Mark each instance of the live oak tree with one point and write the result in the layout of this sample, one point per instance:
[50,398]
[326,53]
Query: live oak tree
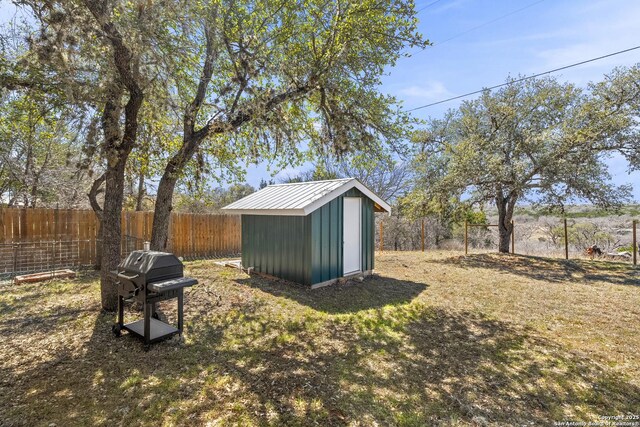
[275,74]
[616,99]
[100,57]
[157,134]
[119,138]
[537,140]
[247,80]
[38,149]
[429,195]
[33,147]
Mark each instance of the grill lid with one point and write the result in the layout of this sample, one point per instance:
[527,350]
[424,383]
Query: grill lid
[143,262]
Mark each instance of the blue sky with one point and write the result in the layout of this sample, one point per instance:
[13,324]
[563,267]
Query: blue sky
[546,34]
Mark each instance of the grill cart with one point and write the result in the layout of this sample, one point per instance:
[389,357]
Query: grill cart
[150,277]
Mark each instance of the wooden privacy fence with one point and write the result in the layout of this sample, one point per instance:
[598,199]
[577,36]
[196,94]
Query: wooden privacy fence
[190,235]
[40,239]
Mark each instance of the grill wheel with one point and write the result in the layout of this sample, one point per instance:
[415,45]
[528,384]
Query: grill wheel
[117,330]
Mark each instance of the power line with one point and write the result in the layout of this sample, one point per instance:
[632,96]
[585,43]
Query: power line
[506,15]
[427,6]
[527,78]
[489,22]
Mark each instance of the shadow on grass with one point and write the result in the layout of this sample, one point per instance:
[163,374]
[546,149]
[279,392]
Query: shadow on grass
[373,292]
[32,294]
[547,269]
[405,365]
[252,363]
[99,381]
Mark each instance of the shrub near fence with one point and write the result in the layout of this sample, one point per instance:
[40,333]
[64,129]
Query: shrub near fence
[42,239]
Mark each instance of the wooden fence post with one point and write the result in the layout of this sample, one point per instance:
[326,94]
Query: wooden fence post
[466,236]
[422,234]
[566,240]
[3,232]
[513,238]
[56,238]
[635,242]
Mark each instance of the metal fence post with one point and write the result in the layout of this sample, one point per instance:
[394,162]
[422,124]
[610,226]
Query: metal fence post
[635,242]
[466,238]
[513,237]
[15,257]
[566,240]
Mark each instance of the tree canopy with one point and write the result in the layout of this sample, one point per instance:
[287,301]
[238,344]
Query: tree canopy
[252,80]
[536,140]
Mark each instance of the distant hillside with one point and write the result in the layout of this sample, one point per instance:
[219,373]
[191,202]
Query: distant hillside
[579,211]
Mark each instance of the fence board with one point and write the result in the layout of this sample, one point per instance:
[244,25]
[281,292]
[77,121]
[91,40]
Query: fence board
[66,237]
[2,226]
[15,224]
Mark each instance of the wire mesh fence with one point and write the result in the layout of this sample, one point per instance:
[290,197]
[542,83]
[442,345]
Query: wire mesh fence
[33,257]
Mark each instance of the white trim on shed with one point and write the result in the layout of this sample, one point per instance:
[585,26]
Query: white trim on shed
[300,198]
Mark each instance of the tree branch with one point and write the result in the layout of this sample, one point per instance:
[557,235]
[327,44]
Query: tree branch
[93,194]
[216,127]
[127,71]
[193,108]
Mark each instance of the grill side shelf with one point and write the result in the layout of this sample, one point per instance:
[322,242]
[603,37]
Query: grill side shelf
[171,284]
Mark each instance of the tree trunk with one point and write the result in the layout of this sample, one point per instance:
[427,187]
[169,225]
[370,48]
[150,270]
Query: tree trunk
[505,207]
[162,213]
[505,236]
[111,232]
[166,186]
[190,143]
[100,238]
[97,209]
[141,192]
[118,142]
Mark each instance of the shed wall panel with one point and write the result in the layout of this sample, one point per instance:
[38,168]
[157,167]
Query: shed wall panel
[326,242]
[277,245]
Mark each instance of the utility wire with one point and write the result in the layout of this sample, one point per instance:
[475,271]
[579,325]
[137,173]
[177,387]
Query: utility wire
[499,18]
[506,15]
[527,78]
[427,6]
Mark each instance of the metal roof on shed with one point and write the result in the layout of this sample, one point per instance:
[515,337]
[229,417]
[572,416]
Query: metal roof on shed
[300,198]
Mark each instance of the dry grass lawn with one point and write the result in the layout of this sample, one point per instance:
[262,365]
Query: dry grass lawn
[431,339]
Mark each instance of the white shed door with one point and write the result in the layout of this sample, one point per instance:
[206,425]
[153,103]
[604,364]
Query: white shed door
[351,249]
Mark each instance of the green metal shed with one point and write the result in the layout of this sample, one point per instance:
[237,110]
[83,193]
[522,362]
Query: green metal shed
[311,233]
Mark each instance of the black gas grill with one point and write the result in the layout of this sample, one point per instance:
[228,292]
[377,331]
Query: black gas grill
[150,277]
